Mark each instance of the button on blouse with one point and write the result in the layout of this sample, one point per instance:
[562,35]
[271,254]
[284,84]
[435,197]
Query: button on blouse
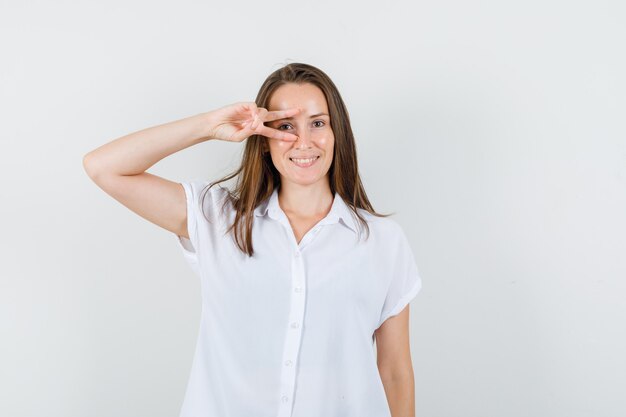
[289,331]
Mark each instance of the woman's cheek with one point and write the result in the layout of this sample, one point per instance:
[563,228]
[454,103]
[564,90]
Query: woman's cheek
[323,138]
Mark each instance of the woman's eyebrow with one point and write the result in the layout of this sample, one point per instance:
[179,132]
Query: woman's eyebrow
[315,115]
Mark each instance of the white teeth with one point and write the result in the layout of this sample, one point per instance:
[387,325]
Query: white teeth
[303,161]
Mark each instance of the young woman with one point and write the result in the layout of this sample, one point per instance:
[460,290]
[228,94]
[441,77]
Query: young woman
[294,294]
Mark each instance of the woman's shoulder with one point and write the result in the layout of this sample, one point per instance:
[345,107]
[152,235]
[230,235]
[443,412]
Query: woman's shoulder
[201,184]
[383,227]
[212,198]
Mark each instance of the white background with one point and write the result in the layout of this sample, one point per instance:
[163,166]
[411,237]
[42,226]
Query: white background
[494,129]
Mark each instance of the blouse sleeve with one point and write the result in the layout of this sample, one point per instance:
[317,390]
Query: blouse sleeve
[190,246]
[405,281]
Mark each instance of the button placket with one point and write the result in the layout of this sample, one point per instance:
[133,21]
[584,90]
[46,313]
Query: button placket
[293,335]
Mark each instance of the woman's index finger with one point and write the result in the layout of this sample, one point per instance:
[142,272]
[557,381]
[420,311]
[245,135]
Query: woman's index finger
[281,114]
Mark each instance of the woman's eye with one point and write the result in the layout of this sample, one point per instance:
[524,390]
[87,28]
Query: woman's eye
[280,127]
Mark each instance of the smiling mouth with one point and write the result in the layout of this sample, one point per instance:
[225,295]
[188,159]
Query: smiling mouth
[304,163]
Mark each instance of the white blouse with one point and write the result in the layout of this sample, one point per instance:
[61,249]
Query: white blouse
[290,331]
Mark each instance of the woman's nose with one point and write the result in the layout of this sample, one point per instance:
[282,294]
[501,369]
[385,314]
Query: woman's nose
[304,136]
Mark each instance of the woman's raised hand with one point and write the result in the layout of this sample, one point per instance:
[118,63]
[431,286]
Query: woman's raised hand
[236,122]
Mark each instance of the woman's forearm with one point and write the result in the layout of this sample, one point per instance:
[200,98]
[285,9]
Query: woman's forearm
[400,394]
[134,153]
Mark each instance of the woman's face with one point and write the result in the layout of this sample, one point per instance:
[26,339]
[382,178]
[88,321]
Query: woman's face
[312,126]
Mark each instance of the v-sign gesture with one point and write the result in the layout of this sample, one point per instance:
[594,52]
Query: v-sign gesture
[236,122]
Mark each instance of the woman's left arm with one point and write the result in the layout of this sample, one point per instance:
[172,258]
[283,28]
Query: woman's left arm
[394,364]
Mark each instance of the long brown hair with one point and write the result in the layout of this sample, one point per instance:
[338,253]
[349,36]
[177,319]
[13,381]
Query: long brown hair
[257,176]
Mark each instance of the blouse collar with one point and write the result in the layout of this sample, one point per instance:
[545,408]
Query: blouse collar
[338,210]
